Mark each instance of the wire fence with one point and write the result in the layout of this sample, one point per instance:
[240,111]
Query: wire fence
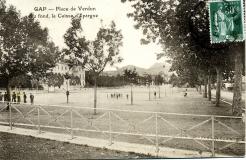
[213,133]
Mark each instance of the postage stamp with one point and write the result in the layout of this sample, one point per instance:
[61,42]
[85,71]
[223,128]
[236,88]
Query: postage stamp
[226,20]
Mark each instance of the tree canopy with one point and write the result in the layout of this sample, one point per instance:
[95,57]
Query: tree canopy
[24,45]
[182,27]
[93,55]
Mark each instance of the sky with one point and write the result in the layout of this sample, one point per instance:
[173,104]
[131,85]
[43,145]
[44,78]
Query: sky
[132,51]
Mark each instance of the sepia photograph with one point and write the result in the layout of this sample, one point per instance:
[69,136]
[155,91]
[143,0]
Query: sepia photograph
[122,79]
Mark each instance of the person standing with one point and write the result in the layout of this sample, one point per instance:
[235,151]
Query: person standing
[5,97]
[32,98]
[13,97]
[155,94]
[24,97]
[1,97]
[67,94]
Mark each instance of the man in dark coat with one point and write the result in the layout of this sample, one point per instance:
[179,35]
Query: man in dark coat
[24,97]
[32,98]
[13,97]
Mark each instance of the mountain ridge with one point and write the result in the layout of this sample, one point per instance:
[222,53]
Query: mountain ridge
[155,69]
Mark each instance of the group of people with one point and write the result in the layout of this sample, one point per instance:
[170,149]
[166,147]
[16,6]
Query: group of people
[117,95]
[16,97]
[120,95]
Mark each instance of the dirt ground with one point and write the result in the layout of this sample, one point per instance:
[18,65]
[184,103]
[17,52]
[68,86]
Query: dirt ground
[16,147]
[171,101]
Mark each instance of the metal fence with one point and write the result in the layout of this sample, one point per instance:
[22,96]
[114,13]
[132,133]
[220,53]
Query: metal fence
[197,132]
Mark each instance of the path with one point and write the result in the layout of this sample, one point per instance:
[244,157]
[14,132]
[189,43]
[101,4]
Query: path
[227,95]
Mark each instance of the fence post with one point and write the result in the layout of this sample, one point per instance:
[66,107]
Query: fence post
[156,134]
[10,115]
[110,128]
[39,130]
[213,149]
[71,119]
[165,91]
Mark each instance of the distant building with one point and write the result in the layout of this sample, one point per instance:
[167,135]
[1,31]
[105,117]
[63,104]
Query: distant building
[63,68]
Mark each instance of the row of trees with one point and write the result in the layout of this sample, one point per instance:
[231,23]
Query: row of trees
[27,55]
[51,79]
[128,77]
[57,79]
[25,49]
[105,80]
[131,76]
[182,27]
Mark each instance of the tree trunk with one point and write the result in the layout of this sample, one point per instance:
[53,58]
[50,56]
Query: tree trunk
[95,95]
[200,89]
[32,84]
[37,86]
[218,86]
[209,88]
[8,89]
[237,88]
[205,88]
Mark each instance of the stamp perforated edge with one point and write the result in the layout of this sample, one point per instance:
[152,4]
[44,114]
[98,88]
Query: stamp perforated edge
[242,15]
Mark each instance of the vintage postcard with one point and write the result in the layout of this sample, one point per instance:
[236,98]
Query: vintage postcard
[122,79]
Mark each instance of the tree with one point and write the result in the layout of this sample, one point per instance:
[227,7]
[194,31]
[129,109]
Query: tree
[93,55]
[174,80]
[75,80]
[159,80]
[189,29]
[237,104]
[148,79]
[24,46]
[55,79]
[131,76]
[21,81]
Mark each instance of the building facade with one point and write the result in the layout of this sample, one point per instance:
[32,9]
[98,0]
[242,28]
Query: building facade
[63,69]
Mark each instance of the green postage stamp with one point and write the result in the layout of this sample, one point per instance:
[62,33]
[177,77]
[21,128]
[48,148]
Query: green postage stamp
[226,20]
